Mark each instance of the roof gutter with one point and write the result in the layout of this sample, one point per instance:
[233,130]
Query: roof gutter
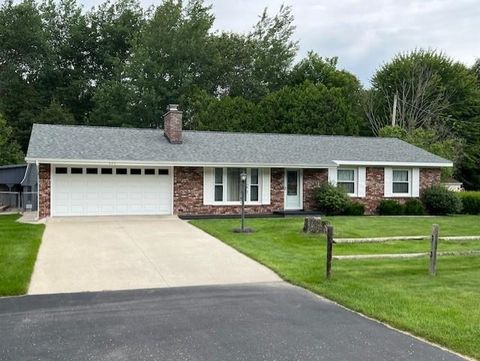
[397,164]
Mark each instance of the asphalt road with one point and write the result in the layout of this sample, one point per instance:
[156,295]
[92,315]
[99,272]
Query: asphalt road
[241,322]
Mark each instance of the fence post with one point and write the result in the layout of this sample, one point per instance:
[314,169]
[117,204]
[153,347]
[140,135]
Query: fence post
[433,250]
[329,250]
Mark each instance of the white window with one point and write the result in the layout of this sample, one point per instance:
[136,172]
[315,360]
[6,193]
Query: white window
[346,179]
[401,181]
[228,184]
[218,184]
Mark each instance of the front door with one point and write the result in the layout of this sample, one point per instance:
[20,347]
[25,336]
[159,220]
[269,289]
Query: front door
[293,189]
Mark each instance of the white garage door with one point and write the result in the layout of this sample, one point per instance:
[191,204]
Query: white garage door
[91,191]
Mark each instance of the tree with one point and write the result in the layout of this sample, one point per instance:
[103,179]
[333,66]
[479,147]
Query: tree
[56,113]
[476,69]
[10,152]
[450,148]
[434,93]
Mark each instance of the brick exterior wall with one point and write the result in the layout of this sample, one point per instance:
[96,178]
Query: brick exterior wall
[44,176]
[312,178]
[375,186]
[188,195]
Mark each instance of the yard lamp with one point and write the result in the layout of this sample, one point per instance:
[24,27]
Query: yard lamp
[242,229]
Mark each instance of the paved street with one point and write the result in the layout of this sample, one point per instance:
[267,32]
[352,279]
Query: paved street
[266,321]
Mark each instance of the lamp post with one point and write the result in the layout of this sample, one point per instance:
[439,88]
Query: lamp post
[243,181]
[243,178]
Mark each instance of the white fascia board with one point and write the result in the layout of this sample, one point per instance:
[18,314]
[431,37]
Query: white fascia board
[112,163]
[394,164]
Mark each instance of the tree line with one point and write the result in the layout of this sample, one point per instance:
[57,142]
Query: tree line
[119,64]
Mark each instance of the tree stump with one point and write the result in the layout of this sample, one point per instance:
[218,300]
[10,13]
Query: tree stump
[314,225]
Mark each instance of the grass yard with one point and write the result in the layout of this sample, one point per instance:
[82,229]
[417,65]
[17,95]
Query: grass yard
[19,245]
[443,309]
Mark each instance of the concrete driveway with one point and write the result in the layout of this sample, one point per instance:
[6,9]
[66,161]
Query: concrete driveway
[118,253]
[212,323]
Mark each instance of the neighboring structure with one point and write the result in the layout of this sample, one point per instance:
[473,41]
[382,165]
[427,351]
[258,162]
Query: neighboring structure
[18,186]
[124,171]
[453,185]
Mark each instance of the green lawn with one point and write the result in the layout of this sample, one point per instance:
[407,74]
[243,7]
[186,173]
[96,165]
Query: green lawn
[443,309]
[18,250]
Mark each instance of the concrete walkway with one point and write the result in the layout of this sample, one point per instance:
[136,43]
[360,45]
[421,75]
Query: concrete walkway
[118,253]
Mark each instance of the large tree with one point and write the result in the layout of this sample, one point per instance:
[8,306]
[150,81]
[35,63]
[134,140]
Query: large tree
[10,152]
[435,93]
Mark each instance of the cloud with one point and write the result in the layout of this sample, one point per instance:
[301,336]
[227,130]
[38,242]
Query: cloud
[364,34]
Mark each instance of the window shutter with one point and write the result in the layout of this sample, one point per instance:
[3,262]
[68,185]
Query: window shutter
[362,181]
[266,179]
[332,175]
[388,178]
[415,182]
[208,186]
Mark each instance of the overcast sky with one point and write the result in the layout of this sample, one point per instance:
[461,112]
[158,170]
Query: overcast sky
[364,33]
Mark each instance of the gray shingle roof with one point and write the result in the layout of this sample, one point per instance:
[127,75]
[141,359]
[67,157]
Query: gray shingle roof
[58,142]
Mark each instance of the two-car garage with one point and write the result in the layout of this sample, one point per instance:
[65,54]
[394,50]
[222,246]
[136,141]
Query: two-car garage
[103,190]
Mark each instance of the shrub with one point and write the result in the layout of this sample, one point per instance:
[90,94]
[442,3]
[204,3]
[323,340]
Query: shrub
[470,202]
[439,200]
[390,207]
[330,199]
[413,207]
[354,209]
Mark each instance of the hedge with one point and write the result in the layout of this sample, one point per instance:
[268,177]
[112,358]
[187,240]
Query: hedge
[471,202]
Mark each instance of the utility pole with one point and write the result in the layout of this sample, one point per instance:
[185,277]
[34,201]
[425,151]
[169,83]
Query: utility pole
[394,110]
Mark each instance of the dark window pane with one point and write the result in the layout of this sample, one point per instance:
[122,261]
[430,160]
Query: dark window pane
[76,171]
[292,183]
[92,170]
[233,184]
[254,176]
[149,171]
[218,193]
[400,187]
[107,171]
[121,171]
[61,170]
[254,193]
[218,175]
[348,186]
[163,171]
[135,171]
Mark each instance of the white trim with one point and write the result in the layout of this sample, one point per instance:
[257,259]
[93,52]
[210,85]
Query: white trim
[415,182]
[355,180]
[208,186]
[224,202]
[266,185]
[113,163]
[172,194]
[300,188]
[396,164]
[332,175]
[118,162]
[402,195]
[387,182]
[362,182]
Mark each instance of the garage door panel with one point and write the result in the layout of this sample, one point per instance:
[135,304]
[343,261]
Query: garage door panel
[97,194]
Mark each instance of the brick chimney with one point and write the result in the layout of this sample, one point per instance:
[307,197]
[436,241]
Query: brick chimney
[172,124]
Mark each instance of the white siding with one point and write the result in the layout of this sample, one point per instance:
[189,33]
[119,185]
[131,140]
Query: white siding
[265,188]
[415,182]
[332,175]
[388,177]
[208,186]
[362,181]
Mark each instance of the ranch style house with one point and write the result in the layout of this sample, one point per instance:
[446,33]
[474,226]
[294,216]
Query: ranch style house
[89,171]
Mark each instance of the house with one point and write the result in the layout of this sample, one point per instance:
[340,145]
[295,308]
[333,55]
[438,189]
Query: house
[18,186]
[453,185]
[123,171]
